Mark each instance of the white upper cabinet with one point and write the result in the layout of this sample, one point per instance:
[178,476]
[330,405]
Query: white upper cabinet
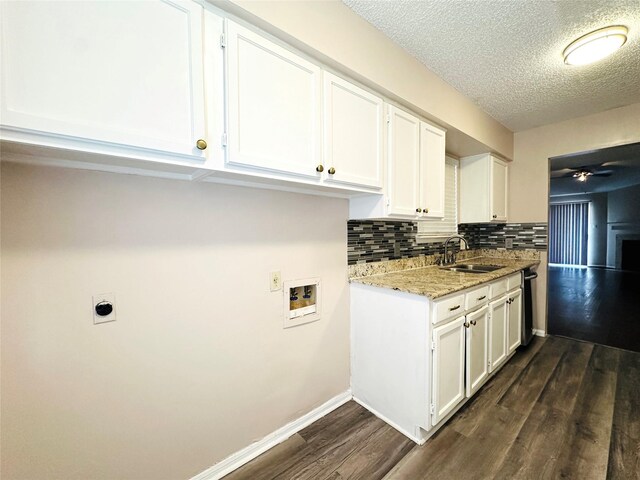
[432,164]
[403,174]
[483,189]
[273,106]
[353,134]
[415,181]
[498,189]
[104,73]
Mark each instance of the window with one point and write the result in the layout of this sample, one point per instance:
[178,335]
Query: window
[436,229]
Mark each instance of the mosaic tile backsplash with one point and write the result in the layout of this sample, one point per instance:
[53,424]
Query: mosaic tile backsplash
[374,241]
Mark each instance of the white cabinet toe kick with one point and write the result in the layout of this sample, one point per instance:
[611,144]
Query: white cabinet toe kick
[416,361]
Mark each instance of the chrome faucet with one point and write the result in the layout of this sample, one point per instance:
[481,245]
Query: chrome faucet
[451,258]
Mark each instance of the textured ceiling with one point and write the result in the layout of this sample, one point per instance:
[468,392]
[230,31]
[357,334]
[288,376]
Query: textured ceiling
[506,55]
[622,162]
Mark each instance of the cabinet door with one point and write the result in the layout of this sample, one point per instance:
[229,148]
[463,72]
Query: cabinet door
[273,101]
[515,320]
[497,333]
[432,161]
[448,368]
[477,358]
[403,164]
[498,190]
[353,134]
[125,73]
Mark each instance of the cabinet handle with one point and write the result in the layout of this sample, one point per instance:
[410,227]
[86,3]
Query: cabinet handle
[509,301]
[418,210]
[320,168]
[466,324]
[201,144]
[454,308]
[426,210]
[474,322]
[495,216]
[482,297]
[332,171]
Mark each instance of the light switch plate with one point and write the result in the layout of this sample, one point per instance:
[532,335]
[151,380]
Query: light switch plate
[104,297]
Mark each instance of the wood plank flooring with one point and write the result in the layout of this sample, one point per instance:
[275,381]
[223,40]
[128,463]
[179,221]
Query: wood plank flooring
[596,305]
[559,409]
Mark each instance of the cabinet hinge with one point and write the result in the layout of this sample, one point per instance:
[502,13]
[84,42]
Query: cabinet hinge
[388,118]
[433,345]
[224,140]
[223,40]
[432,409]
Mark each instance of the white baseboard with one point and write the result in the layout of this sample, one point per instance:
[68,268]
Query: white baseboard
[406,433]
[247,454]
[539,333]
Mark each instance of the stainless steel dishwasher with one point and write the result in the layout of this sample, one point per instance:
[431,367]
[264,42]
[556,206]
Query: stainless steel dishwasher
[527,305]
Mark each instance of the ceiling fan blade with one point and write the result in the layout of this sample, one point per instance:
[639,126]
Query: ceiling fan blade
[563,172]
[602,174]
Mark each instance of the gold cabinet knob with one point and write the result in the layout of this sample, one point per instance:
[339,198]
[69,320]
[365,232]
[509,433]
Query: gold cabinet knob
[320,168]
[201,144]
[418,210]
[426,210]
[332,171]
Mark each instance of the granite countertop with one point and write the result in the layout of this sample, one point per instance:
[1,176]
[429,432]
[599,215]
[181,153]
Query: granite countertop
[433,282]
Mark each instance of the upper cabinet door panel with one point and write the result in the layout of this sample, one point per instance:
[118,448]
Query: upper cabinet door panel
[273,105]
[432,161]
[499,190]
[353,134]
[127,73]
[403,163]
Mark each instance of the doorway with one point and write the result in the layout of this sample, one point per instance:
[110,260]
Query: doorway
[594,246]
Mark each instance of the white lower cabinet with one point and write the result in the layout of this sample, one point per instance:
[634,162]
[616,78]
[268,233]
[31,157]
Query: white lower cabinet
[477,350]
[415,361]
[448,368]
[514,320]
[497,332]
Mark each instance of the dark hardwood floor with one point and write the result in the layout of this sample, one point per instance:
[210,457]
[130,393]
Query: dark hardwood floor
[559,409]
[597,305]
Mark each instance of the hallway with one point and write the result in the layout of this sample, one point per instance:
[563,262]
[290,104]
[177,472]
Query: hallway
[597,305]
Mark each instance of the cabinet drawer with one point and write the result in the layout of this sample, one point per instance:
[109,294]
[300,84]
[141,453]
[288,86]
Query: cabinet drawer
[498,288]
[476,297]
[514,281]
[448,308]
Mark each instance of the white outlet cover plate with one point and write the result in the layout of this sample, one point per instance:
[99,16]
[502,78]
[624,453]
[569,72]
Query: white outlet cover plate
[275,281]
[103,297]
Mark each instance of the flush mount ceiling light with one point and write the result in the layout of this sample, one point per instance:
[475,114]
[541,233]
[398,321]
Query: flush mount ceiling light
[595,46]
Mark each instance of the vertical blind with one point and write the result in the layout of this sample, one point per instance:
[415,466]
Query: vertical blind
[449,224]
[568,223]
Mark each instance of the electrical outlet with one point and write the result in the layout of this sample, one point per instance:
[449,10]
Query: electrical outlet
[508,243]
[396,250]
[275,281]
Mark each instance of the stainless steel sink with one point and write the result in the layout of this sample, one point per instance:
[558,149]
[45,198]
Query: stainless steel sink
[471,268]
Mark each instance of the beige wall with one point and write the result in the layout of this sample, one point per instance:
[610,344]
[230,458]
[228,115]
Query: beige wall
[197,365]
[529,176]
[349,43]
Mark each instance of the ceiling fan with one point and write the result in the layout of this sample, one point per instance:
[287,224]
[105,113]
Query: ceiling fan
[581,174]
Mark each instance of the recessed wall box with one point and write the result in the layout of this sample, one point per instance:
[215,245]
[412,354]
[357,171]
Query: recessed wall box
[302,301]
